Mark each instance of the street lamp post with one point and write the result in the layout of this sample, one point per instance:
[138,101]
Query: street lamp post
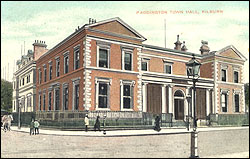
[189,104]
[193,67]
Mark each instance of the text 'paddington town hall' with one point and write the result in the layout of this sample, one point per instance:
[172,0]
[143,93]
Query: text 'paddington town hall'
[105,67]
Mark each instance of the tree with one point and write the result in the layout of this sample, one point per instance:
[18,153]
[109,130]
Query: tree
[246,87]
[6,95]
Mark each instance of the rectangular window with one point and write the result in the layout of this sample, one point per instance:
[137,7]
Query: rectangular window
[57,98]
[76,95]
[66,64]
[58,67]
[128,61]
[49,98]
[236,77]
[237,102]
[224,102]
[23,81]
[127,97]
[40,102]
[144,65]
[168,69]
[103,95]
[223,75]
[44,102]
[50,71]
[45,74]
[27,79]
[77,57]
[103,58]
[66,98]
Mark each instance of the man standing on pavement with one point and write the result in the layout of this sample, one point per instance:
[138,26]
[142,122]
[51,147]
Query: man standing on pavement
[86,121]
[36,125]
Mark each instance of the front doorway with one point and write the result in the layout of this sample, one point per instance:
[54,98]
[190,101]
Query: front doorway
[179,105]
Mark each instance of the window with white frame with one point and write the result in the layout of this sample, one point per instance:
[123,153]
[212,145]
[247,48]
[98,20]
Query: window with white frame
[168,67]
[236,77]
[103,54]
[237,102]
[66,62]
[44,99]
[224,101]
[76,93]
[77,57]
[102,93]
[45,74]
[49,100]
[65,97]
[145,64]
[224,72]
[57,67]
[127,94]
[50,70]
[57,98]
[40,102]
[40,76]
[128,60]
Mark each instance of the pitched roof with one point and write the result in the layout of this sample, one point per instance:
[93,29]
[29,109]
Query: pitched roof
[121,22]
[234,49]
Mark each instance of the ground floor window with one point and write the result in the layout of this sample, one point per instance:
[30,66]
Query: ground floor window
[65,98]
[49,100]
[237,103]
[76,95]
[57,99]
[102,92]
[224,102]
[44,102]
[127,94]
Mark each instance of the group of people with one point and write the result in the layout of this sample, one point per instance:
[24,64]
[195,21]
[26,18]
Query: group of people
[34,127]
[6,122]
[97,125]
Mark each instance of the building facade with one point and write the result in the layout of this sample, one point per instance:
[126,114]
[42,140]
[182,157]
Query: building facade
[104,66]
[24,85]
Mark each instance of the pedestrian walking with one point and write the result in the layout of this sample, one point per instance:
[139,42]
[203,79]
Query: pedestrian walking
[36,126]
[157,123]
[97,124]
[32,127]
[86,121]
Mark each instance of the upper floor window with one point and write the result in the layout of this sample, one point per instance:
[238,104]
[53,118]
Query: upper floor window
[236,77]
[145,64]
[45,74]
[103,58]
[76,57]
[40,76]
[57,67]
[168,67]
[224,75]
[50,71]
[66,62]
[103,54]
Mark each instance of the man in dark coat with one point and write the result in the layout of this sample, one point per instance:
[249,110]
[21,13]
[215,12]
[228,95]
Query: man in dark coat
[97,124]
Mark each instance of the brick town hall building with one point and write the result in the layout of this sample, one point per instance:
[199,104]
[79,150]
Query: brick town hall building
[105,67]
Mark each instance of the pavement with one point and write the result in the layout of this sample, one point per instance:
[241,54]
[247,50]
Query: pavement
[120,133]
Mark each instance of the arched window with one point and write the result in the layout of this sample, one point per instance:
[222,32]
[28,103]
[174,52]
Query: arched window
[178,93]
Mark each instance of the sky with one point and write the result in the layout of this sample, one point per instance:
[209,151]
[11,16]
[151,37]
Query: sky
[220,23]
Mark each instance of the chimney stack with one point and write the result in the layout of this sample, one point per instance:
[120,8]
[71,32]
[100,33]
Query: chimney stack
[204,49]
[184,48]
[177,44]
[39,49]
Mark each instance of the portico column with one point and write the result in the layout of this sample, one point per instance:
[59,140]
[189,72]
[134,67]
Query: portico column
[144,95]
[164,109]
[170,99]
[208,101]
